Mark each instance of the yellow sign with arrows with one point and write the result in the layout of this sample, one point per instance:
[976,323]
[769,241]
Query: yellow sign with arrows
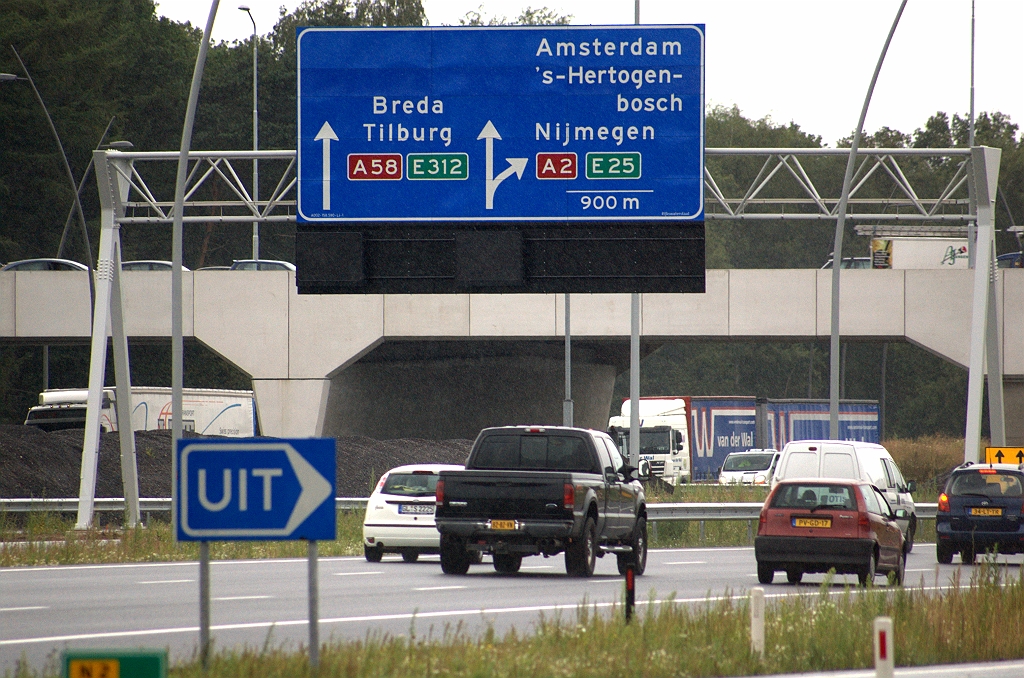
[1004,455]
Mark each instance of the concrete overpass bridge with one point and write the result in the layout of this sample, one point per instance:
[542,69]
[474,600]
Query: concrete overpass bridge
[446,365]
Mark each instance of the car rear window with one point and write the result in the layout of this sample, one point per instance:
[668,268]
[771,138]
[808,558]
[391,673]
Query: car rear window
[814,495]
[747,462]
[411,484]
[548,452]
[997,484]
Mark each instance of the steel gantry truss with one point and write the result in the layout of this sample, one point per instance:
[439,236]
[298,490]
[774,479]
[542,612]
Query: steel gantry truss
[786,170]
[792,184]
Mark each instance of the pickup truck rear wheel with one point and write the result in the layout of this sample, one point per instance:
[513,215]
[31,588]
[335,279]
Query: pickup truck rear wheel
[454,557]
[638,558]
[507,563]
[581,555]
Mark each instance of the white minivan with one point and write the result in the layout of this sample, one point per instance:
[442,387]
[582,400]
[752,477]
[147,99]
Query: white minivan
[869,462]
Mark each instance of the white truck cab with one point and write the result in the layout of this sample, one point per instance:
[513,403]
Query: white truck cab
[664,436]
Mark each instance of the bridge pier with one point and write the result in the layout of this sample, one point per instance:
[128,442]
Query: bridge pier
[291,408]
[1013,407]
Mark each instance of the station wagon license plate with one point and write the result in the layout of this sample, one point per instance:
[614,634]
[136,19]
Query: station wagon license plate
[996,512]
[812,522]
[420,509]
[501,524]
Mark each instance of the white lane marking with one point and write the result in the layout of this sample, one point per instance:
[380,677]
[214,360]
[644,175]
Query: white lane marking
[438,588]
[604,581]
[353,574]
[242,597]
[182,563]
[719,549]
[25,608]
[537,567]
[927,569]
[686,562]
[167,581]
[403,616]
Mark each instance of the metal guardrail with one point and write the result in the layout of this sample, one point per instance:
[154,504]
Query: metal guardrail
[655,512]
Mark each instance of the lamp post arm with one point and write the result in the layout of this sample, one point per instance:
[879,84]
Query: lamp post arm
[71,179]
[81,185]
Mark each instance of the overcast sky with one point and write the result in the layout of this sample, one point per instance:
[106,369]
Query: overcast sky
[807,61]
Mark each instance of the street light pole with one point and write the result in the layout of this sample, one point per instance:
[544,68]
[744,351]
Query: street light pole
[255,137]
[67,169]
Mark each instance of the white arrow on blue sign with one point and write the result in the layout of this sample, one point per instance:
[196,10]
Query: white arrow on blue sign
[255,489]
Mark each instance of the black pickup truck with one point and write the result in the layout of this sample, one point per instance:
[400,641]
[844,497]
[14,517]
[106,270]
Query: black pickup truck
[531,490]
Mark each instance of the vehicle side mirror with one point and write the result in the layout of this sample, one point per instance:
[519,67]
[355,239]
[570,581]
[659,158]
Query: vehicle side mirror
[643,471]
[901,514]
[609,473]
[912,486]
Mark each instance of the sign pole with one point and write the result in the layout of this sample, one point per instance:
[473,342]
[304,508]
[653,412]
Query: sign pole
[567,403]
[314,607]
[204,603]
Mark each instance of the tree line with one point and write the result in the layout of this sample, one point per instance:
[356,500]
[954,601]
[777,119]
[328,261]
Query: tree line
[97,61]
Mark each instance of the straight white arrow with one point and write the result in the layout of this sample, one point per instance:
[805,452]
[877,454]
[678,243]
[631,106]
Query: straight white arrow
[517,165]
[327,135]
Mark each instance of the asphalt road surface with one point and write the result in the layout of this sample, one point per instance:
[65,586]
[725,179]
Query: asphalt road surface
[44,610]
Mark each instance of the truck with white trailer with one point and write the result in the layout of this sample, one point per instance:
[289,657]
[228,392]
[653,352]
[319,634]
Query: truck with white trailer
[207,411]
[687,438]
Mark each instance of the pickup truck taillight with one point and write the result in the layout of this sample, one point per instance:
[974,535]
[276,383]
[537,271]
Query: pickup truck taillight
[943,506]
[569,496]
[439,493]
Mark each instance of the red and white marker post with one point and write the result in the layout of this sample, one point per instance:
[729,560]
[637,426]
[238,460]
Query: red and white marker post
[884,661]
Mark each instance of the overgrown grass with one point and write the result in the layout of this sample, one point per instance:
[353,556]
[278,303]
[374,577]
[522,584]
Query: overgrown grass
[928,460]
[826,630]
[50,539]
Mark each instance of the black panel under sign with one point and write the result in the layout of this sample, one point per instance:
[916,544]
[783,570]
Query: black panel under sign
[513,257]
[328,258]
[490,258]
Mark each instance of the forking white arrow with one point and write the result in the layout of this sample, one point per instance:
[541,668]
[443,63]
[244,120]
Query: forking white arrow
[327,135]
[517,165]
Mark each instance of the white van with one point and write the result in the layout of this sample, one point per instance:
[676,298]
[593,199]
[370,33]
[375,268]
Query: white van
[869,462]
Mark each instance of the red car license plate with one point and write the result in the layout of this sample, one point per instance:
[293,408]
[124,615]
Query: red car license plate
[812,522]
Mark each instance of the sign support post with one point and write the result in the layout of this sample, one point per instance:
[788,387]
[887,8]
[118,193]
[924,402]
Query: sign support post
[314,607]
[204,603]
[255,489]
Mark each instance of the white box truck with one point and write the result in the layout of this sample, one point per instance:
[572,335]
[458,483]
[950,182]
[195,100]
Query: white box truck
[918,252]
[208,411]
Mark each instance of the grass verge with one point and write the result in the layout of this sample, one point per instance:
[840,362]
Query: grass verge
[825,630]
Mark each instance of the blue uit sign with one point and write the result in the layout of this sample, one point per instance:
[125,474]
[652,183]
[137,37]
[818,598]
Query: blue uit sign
[552,123]
[255,489]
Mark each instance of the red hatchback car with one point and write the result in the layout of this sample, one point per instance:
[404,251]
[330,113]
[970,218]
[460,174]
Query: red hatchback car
[820,524]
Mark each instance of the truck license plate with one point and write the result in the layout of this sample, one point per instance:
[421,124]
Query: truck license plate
[501,524]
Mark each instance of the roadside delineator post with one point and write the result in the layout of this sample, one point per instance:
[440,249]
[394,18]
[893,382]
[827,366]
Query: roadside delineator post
[630,592]
[757,621]
[884,663]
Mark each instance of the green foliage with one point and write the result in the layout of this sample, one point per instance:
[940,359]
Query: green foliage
[528,17]
[139,67]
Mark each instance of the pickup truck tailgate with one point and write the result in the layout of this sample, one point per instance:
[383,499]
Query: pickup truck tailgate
[504,494]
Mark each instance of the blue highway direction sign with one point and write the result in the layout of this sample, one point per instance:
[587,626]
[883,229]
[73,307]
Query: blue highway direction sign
[491,124]
[255,489]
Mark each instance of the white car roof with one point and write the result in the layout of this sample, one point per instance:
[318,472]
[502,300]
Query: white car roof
[433,468]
